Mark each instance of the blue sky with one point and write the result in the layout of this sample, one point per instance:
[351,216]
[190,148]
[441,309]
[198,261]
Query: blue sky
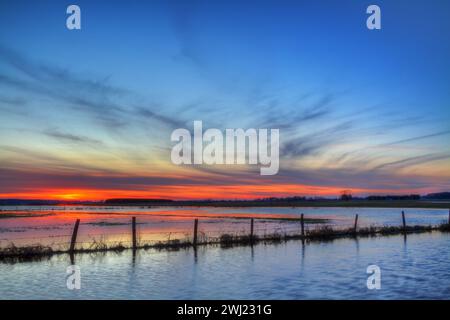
[104,99]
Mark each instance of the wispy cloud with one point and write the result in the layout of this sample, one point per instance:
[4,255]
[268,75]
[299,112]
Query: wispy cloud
[422,137]
[314,142]
[54,133]
[55,75]
[112,106]
[410,161]
[26,159]
[287,117]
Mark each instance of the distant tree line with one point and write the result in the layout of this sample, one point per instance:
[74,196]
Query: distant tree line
[345,196]
[136,201]
[33,202]
[395,197]
[438,196]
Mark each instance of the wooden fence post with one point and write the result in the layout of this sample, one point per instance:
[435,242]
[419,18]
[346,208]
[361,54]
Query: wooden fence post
[404,220]
[251,230]
[74,236]
[356,223]
[195,232]
[133,230]
[302,223]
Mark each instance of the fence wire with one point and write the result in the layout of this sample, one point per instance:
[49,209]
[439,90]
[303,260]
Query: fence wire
[111,232]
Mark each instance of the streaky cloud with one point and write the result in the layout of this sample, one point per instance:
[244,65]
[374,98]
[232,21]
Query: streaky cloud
[71,137]
[406,162]
[92,96]
[431,135]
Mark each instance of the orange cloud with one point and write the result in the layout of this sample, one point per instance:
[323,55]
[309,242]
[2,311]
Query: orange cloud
[189,192]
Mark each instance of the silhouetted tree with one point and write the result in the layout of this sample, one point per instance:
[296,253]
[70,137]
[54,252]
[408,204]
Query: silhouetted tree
[346,195]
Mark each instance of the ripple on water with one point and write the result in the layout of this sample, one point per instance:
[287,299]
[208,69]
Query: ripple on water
[417,268]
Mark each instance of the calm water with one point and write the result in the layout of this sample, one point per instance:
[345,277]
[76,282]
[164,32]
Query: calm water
[415,268]
[53,225]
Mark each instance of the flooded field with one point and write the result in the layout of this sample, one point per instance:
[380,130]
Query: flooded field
[53,225]
[415,267]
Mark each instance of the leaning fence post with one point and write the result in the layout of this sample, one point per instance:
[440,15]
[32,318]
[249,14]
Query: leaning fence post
[195,231]
[404,221]
[74,236]
[302,223]
[133,230]
[356,223]
[251,230]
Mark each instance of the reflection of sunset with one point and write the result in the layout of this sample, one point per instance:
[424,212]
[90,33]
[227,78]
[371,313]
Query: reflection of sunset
[112,225]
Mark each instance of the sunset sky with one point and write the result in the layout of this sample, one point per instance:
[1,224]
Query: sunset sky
[87,114]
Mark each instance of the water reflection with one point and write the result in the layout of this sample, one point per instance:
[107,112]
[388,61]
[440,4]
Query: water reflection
[357,244]
[303,253]
[417,268]
[113,225]
[195,255]
[134,257]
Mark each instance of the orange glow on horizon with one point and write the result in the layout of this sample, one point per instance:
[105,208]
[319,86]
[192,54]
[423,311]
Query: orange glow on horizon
[202,192]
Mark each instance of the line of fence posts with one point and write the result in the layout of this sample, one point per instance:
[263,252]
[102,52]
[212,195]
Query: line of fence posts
[133,230]
[194,242]
[195,239]
[73,240]
[356,224]
[404,221]
[251,230]
[302,224]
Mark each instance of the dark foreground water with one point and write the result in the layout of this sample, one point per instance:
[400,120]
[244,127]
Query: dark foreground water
[415,268]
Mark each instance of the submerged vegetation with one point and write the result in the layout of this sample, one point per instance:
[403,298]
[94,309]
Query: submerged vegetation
[444,227]
[19,254]
[13,253]
[10,215]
